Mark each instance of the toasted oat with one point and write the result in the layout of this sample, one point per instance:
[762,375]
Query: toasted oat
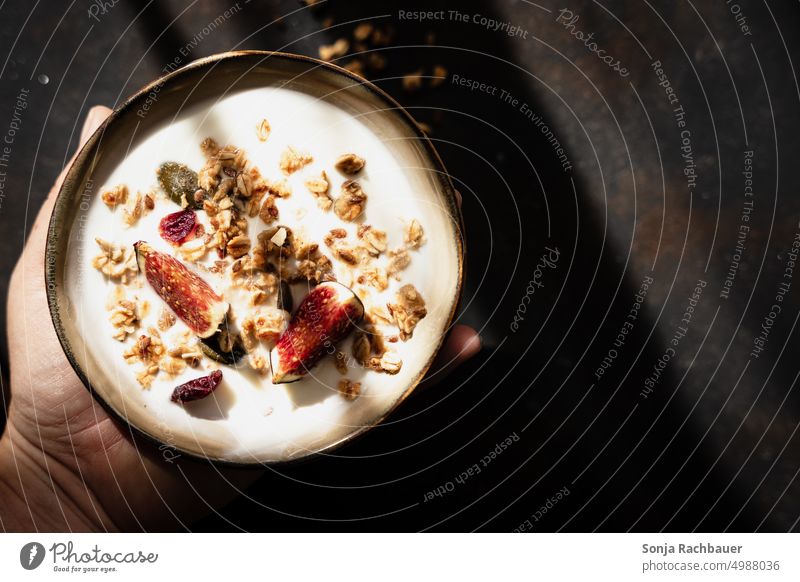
[362,31]
[349,164]
[351,202]
[137,208]
[412,81]
[319,187]
[439,75]
[146,376]
[391,363]
[374,239]
[263,130]
[125,313]
[147,349]
[166,319]
[375,277]
[292,160]
[414,235]
[187,352]
[269,211]
[399,259]
[281,189]
[328,52]
[117,195]
[193,250]
[316,270]
[336,233]
[346,254]
[348,389]
[238,246]
[408,310]
[379,314]
[115,261]
[209,147]
[267,323]
[171,365]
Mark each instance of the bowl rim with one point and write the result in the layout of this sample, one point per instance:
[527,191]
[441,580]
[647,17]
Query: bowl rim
[78,167]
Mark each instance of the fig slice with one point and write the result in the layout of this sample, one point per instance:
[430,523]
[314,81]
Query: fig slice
[189,296]
[197,388]
[325,316]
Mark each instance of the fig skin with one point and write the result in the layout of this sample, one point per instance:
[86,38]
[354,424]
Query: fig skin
[325,317]
[186,293]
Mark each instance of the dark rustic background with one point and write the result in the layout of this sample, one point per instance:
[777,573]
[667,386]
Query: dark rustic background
[714,446]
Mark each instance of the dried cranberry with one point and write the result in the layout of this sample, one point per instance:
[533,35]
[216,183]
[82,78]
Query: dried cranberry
[197,388]
[178,227]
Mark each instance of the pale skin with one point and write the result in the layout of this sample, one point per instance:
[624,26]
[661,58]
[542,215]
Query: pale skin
[65,464]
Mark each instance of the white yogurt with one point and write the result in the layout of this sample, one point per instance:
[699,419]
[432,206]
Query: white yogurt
[248,418]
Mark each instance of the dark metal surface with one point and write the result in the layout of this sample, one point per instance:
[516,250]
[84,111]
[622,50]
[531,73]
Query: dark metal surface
[709,442]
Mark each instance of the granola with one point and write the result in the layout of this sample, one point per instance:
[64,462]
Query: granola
[408,310]
[115,261]
[350,203]
[349,164]
[116,196]
[292,160]
[348,389]
[263,130]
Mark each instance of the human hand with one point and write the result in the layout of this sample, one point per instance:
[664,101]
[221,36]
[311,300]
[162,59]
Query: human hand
[65,464]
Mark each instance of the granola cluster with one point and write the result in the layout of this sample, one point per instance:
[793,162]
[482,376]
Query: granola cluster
[233,195]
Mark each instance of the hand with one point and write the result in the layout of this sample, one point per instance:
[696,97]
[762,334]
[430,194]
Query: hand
[65,465]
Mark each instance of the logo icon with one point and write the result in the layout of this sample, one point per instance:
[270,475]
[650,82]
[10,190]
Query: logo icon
[31,555]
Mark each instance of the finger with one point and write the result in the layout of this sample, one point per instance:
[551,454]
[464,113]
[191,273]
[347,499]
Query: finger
[461,344]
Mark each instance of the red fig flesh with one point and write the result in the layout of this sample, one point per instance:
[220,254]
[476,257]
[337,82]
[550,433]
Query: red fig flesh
[325,316]
[190,297]
[197,388]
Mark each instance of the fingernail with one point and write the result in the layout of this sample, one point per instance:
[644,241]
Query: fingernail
[471,347]
[93,120]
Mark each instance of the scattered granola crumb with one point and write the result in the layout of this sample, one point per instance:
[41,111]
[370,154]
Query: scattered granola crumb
[136,209]
[269,211]
[349,164]
[391,363]
[374,239]
[362,31]
[193,250]
[439,75]
[125,313]
[319,187]
[328,52]
[399,259]
[267,324]
[379,314]
[376,61]
[263,130]
[115,196]
[292,160]
[115,261]
[348,389]
[166,319]
[412,81]
[351,202]
[414,235]
[375,277]
[408,310]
